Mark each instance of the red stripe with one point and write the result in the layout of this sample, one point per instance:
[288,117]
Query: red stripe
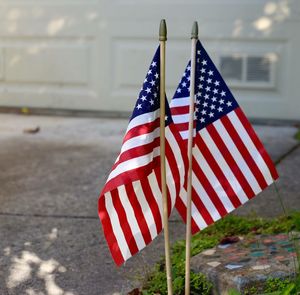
[124,222]
[183,110]
[142,129]
[138,212]
[244,152]
[201,208]
[259,146]
[182,126]
[108,232]
[182,144]
[208,188]
[182,212]
[131,175]
[157,172]
[152,204]
[217,171]
[173,167]
[136,152]
[234,167]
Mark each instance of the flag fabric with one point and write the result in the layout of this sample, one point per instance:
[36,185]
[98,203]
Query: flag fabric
[229,165]
[130,205]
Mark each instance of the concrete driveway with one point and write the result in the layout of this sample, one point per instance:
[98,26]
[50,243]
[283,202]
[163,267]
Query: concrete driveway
[51,240]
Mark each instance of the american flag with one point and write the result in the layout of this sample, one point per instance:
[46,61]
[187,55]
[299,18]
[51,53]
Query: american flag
[130,205]
[230,165]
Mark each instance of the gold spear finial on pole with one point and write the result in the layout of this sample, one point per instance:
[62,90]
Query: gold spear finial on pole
[163,30]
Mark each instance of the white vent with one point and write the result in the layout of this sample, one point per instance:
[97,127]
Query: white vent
[247,71]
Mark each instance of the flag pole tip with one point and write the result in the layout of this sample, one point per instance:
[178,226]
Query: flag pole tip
[194,34]
[163,30]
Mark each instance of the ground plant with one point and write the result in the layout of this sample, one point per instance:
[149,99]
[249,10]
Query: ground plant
[232,225]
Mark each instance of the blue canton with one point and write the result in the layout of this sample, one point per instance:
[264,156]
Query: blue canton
[149,97]
[213,99]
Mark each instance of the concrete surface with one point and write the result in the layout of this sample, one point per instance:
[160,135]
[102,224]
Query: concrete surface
[51,240]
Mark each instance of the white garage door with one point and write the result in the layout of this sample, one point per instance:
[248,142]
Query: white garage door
[93,55]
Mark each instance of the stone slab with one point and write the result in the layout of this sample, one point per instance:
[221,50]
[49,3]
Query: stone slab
[249,262]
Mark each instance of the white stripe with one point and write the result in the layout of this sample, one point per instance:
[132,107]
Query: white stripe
[205,198]
[156,192]
[133,163]
[131,217]
[177,153]
[224,166]
[185,134]
[197,217]
[213,180]
[115,223]
[180,118]
[250,147]
[235,153]
[143,119]
[139,140]
[180,102]
[147,213]
[170,184]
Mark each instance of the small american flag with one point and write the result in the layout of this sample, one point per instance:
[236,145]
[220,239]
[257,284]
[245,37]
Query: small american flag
[230,165]
[130,205]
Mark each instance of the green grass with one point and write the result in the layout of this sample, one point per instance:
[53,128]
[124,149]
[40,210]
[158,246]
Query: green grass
[297,135]
[232,225]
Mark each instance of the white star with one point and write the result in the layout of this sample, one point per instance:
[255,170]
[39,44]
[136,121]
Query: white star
[151,101]
[149,72]
[139,106]
[221,101]
[223,93]
[197,101]
[212,107]
[214,99]
[145,81]
[210,72]
[205,104]
[196,110]
[148,90]
[155,94]
[203,70]
[178,90]
[201,78]
[206,96]
[153,64]
[183,84]
[220,109]
[215,91]
[211,114]
[229,103]
[198,51]
[199,94]
[217,83]
[152,83]
[209,80]
[184,74]
[189,78]
[203,112]
[143,98]
[202,120]
[204,62]
[166,118]
[200,86]
[207,88]
[188,68]
[156,75]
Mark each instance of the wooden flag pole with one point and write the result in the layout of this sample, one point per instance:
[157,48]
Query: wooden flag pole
[194,38]
[162,41]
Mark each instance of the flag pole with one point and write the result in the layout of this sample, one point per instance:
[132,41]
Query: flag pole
[162,42]
[194,37]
